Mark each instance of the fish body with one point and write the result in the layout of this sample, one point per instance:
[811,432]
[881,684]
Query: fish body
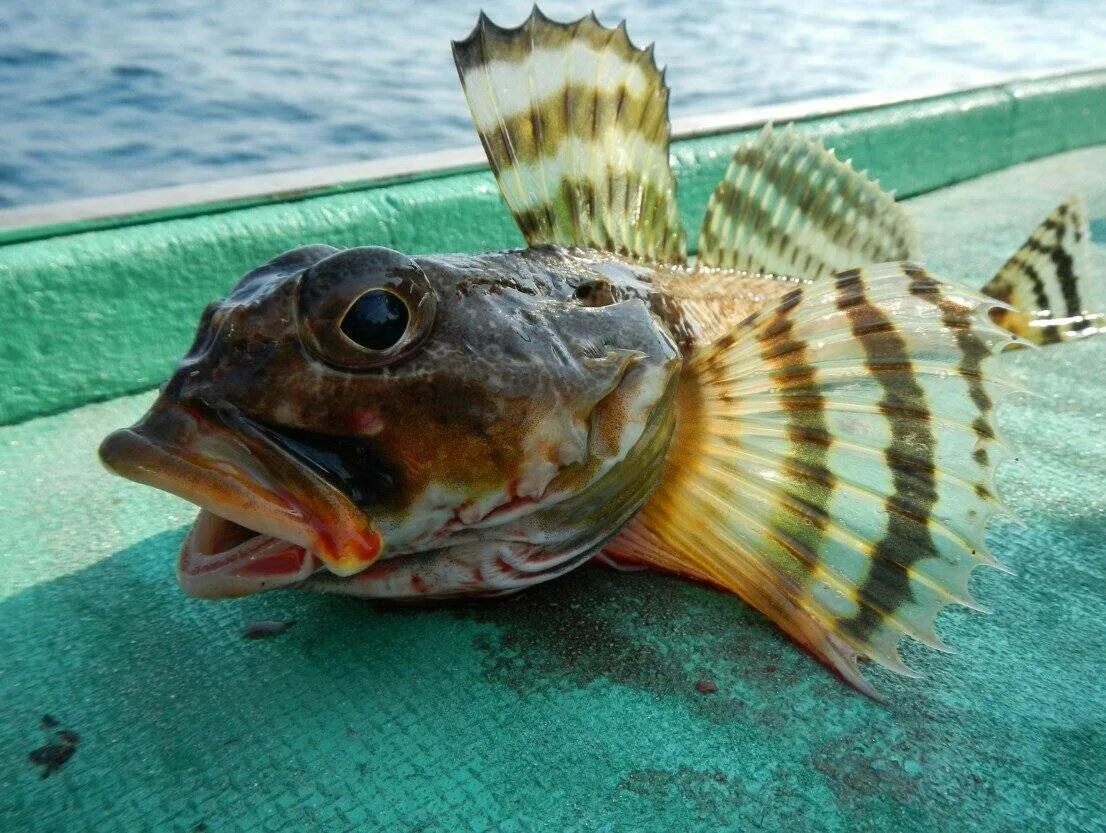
[803,417]
[518,439]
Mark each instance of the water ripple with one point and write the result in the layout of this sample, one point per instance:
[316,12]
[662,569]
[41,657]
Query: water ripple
[102,98]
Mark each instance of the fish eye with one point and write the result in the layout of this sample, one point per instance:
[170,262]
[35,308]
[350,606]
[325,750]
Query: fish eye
[364,308]
[377,320]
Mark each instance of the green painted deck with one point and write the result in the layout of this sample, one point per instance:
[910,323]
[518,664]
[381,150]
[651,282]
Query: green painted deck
[573,706]
[99,309]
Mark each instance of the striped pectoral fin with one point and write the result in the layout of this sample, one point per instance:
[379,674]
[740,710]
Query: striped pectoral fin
[788,206]
[1047,281]
[574,120]
[834,462]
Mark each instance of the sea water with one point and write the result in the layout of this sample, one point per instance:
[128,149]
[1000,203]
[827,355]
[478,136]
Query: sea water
[114,96]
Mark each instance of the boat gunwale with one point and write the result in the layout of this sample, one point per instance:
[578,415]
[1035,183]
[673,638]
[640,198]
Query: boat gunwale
[34,222]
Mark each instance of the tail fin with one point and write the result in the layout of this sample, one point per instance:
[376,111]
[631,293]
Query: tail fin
[834,463]
[1046,281]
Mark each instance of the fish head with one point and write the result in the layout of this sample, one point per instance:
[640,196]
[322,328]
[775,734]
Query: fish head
[343,410]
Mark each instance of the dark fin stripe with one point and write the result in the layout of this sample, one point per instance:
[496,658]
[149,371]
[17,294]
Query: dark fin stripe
[803,508]
[735,203]
[780,171]
[490,42]
[910,457]
[584,113]
[972,348]
[1030,271]
[1063,263]
[571,194]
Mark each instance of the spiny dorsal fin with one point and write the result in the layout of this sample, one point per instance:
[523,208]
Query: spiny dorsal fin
[787,205]
[574,120]
[1046,281]
[834,462]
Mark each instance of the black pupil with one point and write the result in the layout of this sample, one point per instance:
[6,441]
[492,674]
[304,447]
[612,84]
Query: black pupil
[377,320]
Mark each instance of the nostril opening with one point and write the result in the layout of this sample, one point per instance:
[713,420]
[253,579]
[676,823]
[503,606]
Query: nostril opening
[595,294]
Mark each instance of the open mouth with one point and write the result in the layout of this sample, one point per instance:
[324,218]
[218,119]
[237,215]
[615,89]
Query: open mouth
[266,520]
[220,558]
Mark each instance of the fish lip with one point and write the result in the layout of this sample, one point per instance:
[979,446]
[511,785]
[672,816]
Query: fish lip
[135,456]
[259,563]
[217,460]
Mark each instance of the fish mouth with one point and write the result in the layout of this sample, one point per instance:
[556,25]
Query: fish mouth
[266,519]
[222,559]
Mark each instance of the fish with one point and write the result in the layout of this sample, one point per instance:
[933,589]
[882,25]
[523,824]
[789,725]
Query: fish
[801,416]
[1042,282]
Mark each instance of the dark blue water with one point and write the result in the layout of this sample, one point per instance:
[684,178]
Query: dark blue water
[123,94]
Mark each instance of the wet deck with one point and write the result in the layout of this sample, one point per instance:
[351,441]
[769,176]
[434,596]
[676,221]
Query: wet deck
[126,706]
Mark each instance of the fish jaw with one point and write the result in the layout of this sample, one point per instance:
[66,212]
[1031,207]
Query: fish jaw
[266,521]
[211,565]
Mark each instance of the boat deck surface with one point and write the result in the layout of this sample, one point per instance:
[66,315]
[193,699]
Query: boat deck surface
[126,706]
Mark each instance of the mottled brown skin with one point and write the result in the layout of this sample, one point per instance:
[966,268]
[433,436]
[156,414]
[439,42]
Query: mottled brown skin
[522,344]
[509,339]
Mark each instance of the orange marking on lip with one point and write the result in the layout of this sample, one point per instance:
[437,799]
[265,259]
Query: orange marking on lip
[373,542]
[350,554]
